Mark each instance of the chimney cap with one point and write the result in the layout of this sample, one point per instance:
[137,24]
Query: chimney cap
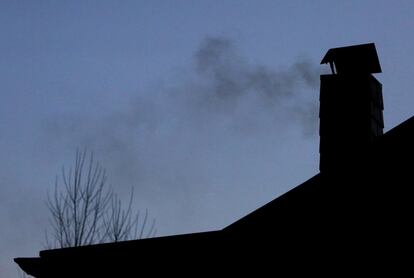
[362,58]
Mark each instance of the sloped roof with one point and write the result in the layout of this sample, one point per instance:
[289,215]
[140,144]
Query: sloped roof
[340,212]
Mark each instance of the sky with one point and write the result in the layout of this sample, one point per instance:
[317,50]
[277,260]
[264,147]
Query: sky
[209,109]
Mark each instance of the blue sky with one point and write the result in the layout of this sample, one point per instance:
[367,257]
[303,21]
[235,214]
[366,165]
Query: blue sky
[123,79]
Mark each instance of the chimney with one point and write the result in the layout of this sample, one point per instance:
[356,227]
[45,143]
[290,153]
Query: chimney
[350,106]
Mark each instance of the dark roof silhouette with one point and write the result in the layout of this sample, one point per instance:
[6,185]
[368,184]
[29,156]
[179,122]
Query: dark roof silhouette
[344,217]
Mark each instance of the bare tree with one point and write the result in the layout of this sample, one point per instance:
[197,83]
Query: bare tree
[84,210]
[120,223]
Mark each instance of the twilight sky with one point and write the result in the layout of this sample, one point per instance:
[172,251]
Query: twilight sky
[207,108]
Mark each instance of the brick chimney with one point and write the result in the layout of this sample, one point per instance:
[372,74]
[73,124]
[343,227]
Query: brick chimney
[350,105]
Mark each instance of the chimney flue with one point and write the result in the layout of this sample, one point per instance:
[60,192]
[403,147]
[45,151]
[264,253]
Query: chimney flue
[350,105]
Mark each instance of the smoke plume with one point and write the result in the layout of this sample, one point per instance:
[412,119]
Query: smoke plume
[179,143]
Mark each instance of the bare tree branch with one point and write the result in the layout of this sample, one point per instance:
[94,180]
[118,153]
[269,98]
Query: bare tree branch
[87,211]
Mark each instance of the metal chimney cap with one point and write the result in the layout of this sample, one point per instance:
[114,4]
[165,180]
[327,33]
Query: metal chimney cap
[362,58]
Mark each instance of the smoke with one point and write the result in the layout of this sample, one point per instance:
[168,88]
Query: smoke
[182,141]
[228,81]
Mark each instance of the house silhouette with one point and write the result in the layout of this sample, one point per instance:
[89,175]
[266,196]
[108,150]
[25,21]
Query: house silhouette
[355,213]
